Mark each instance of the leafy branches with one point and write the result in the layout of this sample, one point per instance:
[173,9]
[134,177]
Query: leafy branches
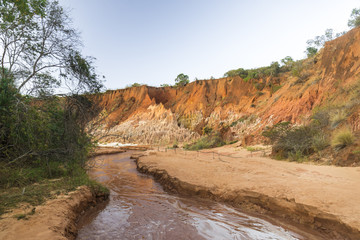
[181,80]
[41,49]
[354,20]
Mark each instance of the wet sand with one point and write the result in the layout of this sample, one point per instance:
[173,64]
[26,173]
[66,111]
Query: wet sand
[321,198]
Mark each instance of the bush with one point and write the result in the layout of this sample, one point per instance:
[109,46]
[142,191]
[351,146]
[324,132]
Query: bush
[296,142]
[296,156]
[207,130]
[338,116]
[41,139]
[320,141]
[342,138]
[209,141]
[275,132]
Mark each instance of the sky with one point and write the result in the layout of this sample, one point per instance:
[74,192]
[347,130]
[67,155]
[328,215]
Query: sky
[152,41]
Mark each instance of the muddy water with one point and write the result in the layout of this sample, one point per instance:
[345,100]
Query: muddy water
[140,209]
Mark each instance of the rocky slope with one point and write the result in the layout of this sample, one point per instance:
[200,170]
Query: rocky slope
[150,115]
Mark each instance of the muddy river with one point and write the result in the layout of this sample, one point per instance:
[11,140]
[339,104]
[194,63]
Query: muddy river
[140,209]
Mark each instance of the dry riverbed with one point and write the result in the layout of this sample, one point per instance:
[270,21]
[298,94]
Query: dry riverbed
[324,199]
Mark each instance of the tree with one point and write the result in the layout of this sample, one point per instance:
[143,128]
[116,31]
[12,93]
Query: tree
[288,63]
[181,80]
[354,20]
[40,48]
[39,51]
[311,51]
[318,42]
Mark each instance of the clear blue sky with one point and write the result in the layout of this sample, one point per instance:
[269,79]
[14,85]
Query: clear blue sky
[152,41]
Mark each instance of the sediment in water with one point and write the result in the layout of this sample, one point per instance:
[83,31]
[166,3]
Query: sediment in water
[306,220]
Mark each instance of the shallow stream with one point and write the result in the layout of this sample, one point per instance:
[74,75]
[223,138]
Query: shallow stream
[140,209]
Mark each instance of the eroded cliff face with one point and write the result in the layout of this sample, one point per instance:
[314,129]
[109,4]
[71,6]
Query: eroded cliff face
[150,115]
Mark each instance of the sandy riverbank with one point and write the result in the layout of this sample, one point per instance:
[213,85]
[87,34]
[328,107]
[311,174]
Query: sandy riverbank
[55,219]
[323,198]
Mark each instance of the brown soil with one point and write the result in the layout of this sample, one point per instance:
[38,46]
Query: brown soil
[56,219]
[322,198]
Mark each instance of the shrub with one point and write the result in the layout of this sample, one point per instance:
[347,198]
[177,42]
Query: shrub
[320,142]
[207,130]
[321,118]
[342,138]
[296,142]
[209,141]
[275,132]
[297,68]
[338,116]
[297,156]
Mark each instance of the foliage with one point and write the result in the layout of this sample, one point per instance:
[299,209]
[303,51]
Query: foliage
[297,139]
[342,138]
[275,88]
[297,68]
[320,141]
[288,63]
[254,148]
[319,41]
[354,20]
[40,49]
[135,85]
[237,72]
[277,131]
[270,71]
[165,85]
[44,137]
[207,130]
[296,142]
[337,116]
[36,194]
[208,141]
[311,51]
[181,80]
[242,119]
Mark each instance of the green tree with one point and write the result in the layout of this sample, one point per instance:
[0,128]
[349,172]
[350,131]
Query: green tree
[40,48]
[39,51]
[181,80]
[288,63]
[354,20]
[311,51]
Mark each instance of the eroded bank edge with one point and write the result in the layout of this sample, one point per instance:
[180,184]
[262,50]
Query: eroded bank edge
[286,212]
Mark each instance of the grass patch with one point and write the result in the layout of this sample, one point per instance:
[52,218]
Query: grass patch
[275,88]
[342,138]
[254,149]
[37,193]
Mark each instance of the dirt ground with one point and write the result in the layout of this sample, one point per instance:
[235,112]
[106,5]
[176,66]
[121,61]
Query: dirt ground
[56,219]
[325,198]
